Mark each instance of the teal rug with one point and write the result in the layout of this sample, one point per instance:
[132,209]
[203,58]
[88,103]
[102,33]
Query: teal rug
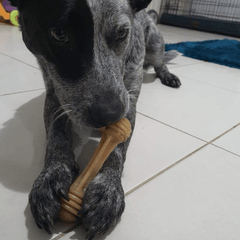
[225,52]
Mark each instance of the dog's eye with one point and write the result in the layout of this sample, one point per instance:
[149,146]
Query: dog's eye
[122,33]
[59,35]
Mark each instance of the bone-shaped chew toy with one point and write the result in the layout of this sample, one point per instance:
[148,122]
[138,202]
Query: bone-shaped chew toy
[112,135]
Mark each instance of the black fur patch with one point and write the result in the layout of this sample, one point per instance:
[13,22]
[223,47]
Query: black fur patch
[138,5]
[72,58]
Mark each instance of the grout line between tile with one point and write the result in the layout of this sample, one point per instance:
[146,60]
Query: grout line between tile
[208,84]
[19,60]
[186,65]
[67,231]
[227,131]
[148,180]
[182,159]
[226,150]
[170,126]
[164,170]
[13,93]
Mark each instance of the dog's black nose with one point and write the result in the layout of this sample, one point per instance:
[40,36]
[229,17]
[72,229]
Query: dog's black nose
[105,114]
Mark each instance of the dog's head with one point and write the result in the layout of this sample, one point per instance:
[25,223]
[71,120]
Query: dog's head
[83,46]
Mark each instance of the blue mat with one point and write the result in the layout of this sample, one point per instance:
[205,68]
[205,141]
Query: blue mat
[225,52]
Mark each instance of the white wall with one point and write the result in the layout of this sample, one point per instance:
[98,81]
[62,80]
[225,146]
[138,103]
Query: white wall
[155,4]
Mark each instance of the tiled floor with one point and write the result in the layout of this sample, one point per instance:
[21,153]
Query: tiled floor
[181,176]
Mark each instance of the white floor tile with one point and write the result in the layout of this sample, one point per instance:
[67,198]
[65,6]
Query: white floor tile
[197,199]
[211,73]
[11,40]
[28,58]
[175,34]
[230,141]
[182,61]
[11,44]
[18,77]
[22,150]
[177,62]
[196,108]
[153,148]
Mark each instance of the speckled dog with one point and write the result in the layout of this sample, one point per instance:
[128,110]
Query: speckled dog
[92,54]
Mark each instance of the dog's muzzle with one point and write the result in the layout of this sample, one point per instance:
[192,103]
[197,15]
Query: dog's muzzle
[106,114]
[107,109]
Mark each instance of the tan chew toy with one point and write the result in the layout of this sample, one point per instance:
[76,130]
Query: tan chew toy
[112,135]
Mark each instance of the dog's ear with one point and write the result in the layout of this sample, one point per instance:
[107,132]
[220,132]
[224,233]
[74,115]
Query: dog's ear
[17,3]
[13,2]
[138,5]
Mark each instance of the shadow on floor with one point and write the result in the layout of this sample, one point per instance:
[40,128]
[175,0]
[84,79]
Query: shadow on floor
[22,151]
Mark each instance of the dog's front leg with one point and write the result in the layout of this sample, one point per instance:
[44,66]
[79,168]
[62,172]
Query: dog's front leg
[103,202]
[60,167]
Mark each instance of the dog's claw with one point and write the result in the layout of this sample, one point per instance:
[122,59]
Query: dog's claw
[45,195]
[46,227]
[50,221]
[90,236]
[102,207]
[63,194]
[176,82]
[39,225]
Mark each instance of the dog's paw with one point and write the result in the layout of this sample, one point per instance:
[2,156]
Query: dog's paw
[52,184]
[171,80]
[103,205]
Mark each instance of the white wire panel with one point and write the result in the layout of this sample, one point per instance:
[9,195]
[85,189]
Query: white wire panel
[227,10]
[217,9]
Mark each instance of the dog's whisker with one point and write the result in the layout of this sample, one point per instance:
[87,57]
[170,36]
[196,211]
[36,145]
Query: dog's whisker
[63,107]
[60,115]
[133,93]
[132,96]
[132,90]
[136,89]
[81,127]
